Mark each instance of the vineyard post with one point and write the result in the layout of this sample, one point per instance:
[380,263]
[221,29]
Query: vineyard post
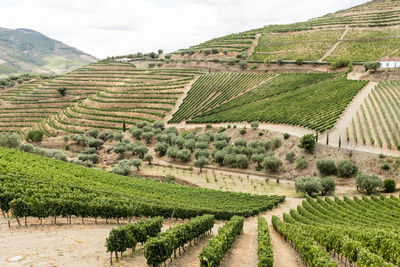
[316,136]
[172,215]
[340,141]
[327,138]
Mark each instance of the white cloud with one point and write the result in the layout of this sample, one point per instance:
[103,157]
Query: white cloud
[114,27]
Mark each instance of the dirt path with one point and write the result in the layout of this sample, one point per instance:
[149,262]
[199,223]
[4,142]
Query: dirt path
[284,254]
[254,44]
[330,51]
[244,251]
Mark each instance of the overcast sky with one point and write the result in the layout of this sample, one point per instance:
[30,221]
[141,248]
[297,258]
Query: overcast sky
[116,27]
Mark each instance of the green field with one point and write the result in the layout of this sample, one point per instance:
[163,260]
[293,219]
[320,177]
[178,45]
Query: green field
[313,101]
[36,186]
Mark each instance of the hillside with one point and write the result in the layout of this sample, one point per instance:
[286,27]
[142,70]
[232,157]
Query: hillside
[364,33]
[25,50]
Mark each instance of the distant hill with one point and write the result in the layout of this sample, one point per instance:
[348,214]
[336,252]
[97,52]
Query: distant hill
[25,50]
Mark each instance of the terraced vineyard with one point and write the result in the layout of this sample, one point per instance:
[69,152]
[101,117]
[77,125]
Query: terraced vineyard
[305,45]
[363,231]
[378,118]
[302,101]
[67,189]
[212,90]
[101,95]
[230,43]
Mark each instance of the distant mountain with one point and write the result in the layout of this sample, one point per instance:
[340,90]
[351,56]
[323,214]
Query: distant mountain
[25,50]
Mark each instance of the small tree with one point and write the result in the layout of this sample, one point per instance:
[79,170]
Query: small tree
[96,143]
[201,153]
[307,142]
[120,148]
[328,186]
[161,149]
[140,150]
[34,136]
[308,185]
[258,158]
[190,144]
[346,169]
[160,51]
[172,152]
[326,166]
[137,133]
[184,155]
[272,163]
[389,185]
[62,91]
[240,142]
[368,183]
[159,125]
[372,66]
[242,161]
[276,142]
[118,136]
[219,157]
[148,157]
[148,136]
[200,163]
[137,163]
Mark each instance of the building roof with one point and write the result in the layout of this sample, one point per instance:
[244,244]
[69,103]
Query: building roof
[390,59]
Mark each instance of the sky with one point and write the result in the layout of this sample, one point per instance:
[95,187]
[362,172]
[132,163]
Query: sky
[118,27]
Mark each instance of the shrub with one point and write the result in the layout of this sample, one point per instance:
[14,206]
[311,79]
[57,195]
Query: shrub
[276,142]
[340,63]
[243,131]
[290,156]
[299,61]
[286,136]
[117,136]
[34,136]
[243,64]
[326,166]
[159,125]
[346,169]
[301,163]
[254,125]
[368,183]
[189,144]
[254,66]
[123,167]
[307,142]
[308,185]
[373,66]
[328,186]
[221,144]
[26,148]
[279,61]
[389,185]
[272,163]
[62,91]
[385,166]
[240,142]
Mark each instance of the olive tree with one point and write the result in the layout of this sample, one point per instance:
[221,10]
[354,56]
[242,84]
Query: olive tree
[308,185]
[200,163]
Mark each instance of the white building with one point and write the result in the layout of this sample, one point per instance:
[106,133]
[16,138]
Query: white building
[125,59]
[390,62]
